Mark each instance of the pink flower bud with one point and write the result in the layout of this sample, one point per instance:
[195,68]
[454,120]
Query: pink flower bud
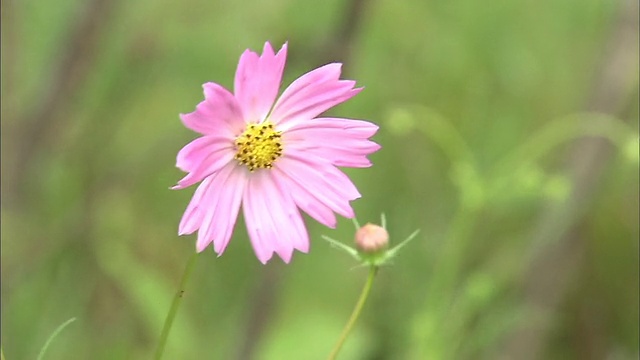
[372,238]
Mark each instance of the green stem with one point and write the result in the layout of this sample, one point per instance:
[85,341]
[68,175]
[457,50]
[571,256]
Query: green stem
[1,353]
[52,336]
[356,312]
[174,307]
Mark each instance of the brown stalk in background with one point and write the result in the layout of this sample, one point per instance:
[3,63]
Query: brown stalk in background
[34,131]
[546,280]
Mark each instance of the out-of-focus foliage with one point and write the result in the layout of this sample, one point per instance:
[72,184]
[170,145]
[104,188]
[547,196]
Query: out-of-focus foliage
[528,245]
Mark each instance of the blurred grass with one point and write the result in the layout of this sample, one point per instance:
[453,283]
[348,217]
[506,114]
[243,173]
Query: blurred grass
[89,227]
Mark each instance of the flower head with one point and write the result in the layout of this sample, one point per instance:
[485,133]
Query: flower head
[271,157]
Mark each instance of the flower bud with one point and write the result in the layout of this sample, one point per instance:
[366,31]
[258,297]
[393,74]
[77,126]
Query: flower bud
[372,239]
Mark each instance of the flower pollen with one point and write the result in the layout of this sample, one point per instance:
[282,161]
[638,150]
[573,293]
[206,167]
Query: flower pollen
[259,146]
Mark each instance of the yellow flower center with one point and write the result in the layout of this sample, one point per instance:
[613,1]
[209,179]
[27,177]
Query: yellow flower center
[259,146]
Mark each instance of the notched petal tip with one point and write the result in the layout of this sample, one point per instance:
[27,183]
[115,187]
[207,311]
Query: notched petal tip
[179,186]
[219,252]
[248,52]
[270,50]
[267,50]
[264,259]
[331,70]
[184,183]
[200,247]
[286,257]
[330,225]
[282,53]
[211,86]
[356,91]
[215,90]
[336,66]
[305,249]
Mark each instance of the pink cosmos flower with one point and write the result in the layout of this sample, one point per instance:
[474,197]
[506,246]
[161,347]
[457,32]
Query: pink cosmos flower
[273,159]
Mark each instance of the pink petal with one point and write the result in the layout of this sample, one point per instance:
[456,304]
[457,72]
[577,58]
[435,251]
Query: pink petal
[324,181]
[355,128]
[195,152]
[219,113]
[260,234]
[192,217]
[257,81]
[203,157]
[343,142]
[307,201]
[288,217]
[312,94]
[273,221]
[219,206]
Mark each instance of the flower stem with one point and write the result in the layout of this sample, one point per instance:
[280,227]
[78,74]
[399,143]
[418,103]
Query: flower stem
[168,322]
[373,269]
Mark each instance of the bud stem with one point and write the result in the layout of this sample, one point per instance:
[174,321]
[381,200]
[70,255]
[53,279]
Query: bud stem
[373,269]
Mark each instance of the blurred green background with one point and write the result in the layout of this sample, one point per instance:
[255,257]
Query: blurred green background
[509,133]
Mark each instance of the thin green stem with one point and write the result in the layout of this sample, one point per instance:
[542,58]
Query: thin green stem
[177,299]
[52,336]
[356,312]
[1,353]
